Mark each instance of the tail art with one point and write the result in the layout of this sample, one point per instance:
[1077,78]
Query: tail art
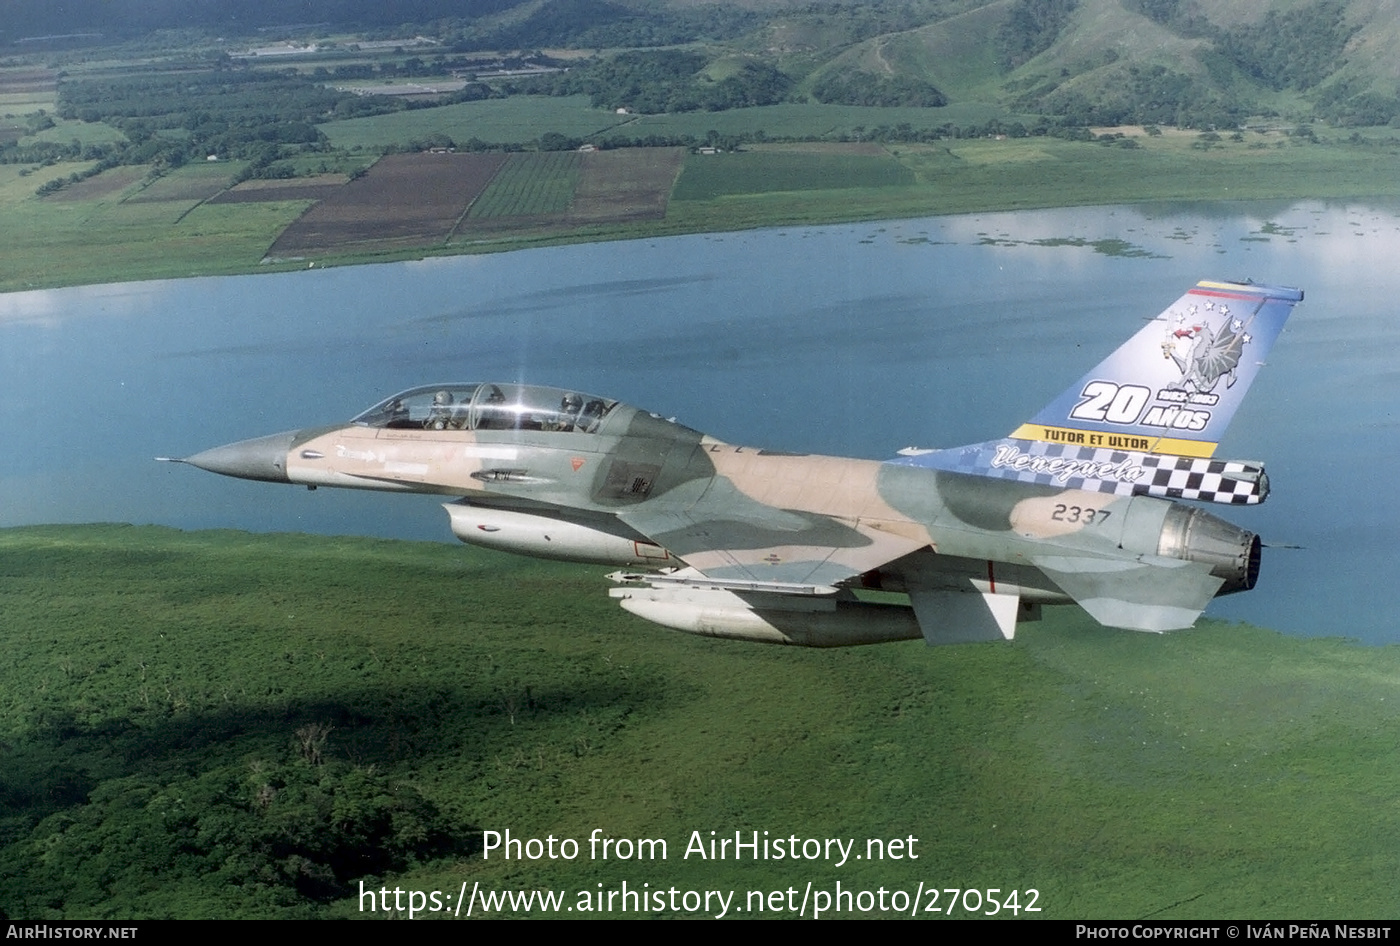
[1146,420]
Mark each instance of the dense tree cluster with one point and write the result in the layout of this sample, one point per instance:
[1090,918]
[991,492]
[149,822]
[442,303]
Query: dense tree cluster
[1031,28]
[236,838]
[1149,96]
[28,18]
[178,116]
[1292,50]
[666,81]
[1349,104]
[172,118]
[866,88]
[600,24]
[1183,17]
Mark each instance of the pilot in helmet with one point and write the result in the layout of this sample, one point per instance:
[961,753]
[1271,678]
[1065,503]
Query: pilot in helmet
[569,406]
[440,415]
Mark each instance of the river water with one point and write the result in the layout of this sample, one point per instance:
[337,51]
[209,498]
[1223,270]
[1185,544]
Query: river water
[854,340]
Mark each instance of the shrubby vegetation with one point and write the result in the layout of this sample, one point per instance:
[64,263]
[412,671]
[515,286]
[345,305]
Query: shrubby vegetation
[865,88]
[224,725]
[1180,16]
[193,101]
[1031,28]
[1148,96]
[244,837]
[1292,50]
[1343,104]
[21,18]
[666,81]
[171,118]
[599,24]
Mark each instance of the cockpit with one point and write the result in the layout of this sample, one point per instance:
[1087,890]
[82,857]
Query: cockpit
[488,407]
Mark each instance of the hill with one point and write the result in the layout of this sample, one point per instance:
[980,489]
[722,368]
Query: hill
[1189,62]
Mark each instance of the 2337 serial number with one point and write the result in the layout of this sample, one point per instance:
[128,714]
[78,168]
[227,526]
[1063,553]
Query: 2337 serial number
[1065,513]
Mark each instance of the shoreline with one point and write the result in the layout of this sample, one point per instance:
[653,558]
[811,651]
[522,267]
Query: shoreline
[114,238]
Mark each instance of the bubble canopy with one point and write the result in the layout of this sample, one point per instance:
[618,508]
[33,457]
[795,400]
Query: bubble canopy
[488,406]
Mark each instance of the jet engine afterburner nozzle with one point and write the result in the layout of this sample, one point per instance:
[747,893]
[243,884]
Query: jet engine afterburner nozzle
[1197,536]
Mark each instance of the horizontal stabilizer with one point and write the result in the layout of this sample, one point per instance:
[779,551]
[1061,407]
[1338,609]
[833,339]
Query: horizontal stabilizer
[1144,594]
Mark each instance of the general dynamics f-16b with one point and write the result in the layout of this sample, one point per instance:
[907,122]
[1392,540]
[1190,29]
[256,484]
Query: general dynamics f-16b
[1078,506]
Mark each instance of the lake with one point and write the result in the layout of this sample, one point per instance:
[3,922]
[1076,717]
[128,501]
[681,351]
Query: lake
[854,340]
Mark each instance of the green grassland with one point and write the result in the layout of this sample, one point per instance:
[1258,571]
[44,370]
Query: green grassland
[525,118]
[88,133]
[152,232]
[982,174]
[22,103]
[520,118]
[806,121]
[958,55]
[220,724]
[707,177]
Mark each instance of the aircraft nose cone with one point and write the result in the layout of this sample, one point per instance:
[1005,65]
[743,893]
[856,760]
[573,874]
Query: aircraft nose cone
[262,458]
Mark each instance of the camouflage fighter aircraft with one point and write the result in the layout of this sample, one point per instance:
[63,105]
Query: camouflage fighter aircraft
[1078,506]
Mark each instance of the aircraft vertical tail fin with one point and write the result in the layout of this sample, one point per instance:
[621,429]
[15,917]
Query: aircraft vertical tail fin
[1174,386]
[1147,419]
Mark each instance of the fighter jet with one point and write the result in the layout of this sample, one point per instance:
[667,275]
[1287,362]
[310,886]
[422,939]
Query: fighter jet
[1082,505]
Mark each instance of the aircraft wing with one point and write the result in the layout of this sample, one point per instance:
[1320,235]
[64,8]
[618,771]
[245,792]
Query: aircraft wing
[729,536]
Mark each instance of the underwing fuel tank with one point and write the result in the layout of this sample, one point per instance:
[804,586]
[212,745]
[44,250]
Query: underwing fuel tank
[544,536]
[825,621]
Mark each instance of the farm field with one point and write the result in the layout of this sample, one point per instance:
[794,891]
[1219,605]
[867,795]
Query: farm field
[525,118]
[763,169]
[107,184]
[541,194]
[24,79]
[88,133]
[196,183]
[24,89]
[61,241]
[529,186]
[807,121]
[405,200]
[317,187]
[165,691]
[629,184]
[186,223]
[520,118]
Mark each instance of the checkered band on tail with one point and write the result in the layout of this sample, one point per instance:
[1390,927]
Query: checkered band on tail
[1094,469]
[1214,481]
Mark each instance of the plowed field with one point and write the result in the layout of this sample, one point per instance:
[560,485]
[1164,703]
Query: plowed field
[321,187]
[404,200]
[423,200]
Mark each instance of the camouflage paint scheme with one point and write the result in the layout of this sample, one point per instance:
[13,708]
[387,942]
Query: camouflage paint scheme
[1076,507]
